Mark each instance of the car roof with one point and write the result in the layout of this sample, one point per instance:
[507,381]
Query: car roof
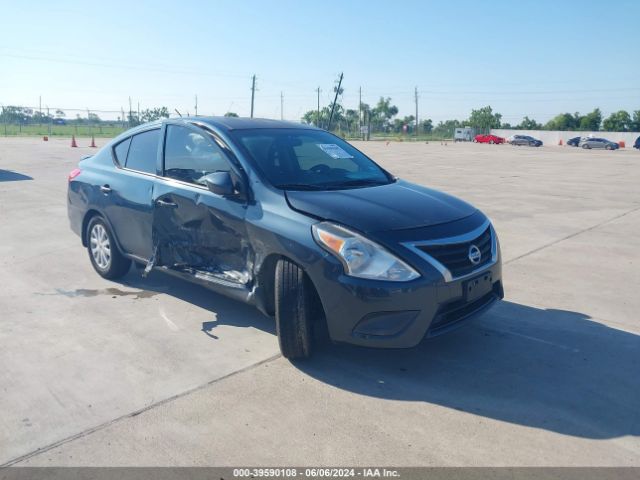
[243,123]
[222,123]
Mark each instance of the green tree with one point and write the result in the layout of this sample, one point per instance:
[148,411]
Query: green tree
[529,124]
[399,123]
[383,113]
[426,126]
[635,122]
[351,120]
[484,119]
[617,122]
[563,122]
[150,115]
[446,128]
[231,114]
[591,121]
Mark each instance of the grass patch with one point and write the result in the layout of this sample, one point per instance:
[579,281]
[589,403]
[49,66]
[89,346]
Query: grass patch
[107,131]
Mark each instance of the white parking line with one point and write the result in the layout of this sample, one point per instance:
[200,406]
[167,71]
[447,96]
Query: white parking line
[535,339]
[172,326]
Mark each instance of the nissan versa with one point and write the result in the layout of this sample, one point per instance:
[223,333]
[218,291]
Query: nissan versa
[291,219]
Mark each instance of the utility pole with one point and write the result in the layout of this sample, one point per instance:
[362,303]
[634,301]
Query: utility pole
[130,114]
[335,99]
[359,109]
[416,94]
[318,113]
[196,106]
[253,92]
[138,113]
[40,106]
[281,106]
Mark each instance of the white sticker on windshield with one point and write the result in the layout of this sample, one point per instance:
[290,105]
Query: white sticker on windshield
[333,150]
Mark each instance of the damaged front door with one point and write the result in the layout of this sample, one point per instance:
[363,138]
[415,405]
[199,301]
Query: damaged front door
[195,230]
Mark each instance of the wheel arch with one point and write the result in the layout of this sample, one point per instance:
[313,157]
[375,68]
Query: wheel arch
[265,281]
[91,213]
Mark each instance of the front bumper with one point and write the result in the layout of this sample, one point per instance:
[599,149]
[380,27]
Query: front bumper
[399,315]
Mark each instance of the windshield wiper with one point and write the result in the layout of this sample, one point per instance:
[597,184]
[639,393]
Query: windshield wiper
[300,186]
[360,182]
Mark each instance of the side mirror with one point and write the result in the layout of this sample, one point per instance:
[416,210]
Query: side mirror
[220,183]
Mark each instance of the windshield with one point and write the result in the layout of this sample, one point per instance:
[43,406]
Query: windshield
[301,159]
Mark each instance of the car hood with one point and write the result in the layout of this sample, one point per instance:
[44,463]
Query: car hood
[396,206]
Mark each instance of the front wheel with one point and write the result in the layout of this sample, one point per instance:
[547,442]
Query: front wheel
[294,310]
[104,254]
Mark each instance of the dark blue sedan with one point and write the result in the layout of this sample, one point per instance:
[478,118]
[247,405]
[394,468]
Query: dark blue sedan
[291,219]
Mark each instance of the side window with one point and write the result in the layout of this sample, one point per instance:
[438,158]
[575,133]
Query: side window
[143,151]
[121,150]
[189,155]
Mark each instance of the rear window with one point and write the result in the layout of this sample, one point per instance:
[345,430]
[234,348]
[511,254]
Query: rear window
[121,150]
[143,151]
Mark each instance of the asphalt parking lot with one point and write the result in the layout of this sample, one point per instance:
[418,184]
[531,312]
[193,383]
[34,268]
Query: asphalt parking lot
[160,372]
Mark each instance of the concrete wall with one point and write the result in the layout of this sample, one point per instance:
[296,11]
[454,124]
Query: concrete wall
[552,137]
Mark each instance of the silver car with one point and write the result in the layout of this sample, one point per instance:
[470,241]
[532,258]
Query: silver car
[524,140]
[589,143]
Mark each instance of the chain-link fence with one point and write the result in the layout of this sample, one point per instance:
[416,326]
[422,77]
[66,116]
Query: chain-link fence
[350,124]
[35,121]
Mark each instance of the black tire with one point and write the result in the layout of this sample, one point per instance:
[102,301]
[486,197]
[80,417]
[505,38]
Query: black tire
[117,265]
[294,310]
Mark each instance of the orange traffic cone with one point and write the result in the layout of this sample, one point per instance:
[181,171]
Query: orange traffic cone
[45,139]
[73,141]
[560,142]
[93,142]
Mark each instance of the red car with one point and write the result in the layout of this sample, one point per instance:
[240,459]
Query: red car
[488,139]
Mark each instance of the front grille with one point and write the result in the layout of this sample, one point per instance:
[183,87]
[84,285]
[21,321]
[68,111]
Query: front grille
[455,256]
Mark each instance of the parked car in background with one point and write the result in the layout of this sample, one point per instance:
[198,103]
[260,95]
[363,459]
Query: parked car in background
[488,139]
[59,121]
[574,142]
[637,144]
[525,140]
[589,143]
[291,219]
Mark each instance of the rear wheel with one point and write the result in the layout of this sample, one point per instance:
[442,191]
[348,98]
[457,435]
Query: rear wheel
[491,142]
[294,310]
[104,254]
[585,146]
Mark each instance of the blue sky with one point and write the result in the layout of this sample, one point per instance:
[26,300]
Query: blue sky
[535,58]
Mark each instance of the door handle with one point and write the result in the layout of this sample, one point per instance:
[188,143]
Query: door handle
[166,203]
[105,189]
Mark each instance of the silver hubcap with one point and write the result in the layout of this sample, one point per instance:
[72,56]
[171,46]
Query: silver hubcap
[100,246]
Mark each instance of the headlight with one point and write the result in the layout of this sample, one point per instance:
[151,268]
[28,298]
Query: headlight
[361,257]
